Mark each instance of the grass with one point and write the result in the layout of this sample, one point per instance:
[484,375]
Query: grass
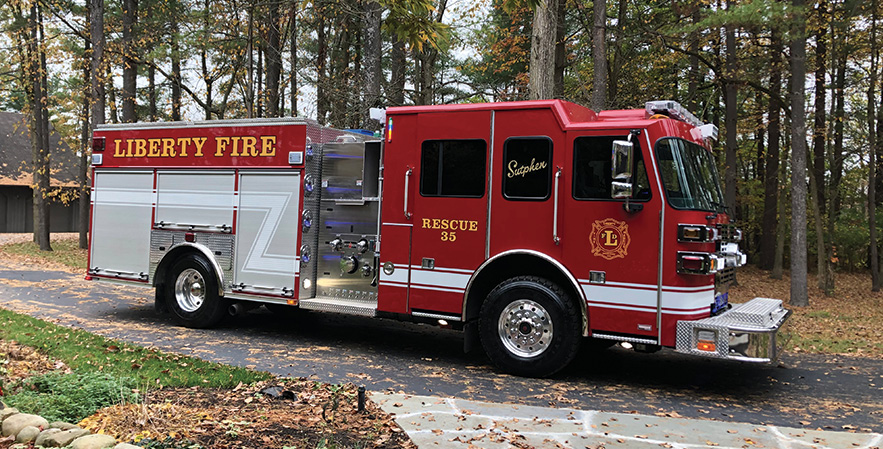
[87,353]
[64,251]
[71,397]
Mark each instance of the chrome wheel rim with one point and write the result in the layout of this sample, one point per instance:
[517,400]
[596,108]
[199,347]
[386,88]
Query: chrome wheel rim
[525,328]
[190,290]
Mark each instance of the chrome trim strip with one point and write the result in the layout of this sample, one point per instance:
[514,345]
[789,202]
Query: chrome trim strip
[437,316]
[555,237]
[662,204]
[645,341]
[410,225]
[490,187]
[407,182]
[557,264]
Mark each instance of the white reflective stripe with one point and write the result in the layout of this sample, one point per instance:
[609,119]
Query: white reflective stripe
[399,275]
[189,198]
[673,288]
[394,284]
[443,269]
[128,197]
[648,310]
[437,289]
[440,279]
[672,302]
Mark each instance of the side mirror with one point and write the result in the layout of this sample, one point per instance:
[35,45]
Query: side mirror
[623,153]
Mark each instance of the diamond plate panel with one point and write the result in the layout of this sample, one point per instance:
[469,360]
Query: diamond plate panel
[759,312]
[221,246]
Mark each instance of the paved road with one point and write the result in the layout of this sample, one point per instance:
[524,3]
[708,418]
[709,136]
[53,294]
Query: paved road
[815,392]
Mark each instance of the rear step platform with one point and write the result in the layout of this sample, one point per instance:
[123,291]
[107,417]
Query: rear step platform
[747,332]
[346,306]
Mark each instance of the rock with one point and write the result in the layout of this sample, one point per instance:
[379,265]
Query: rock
[27,434]
[94,442]
[63,425]
[13,424]
[126,446]
[64,437]
[44,435]
[7,412]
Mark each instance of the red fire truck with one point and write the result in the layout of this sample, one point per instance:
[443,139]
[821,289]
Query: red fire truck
[529,225]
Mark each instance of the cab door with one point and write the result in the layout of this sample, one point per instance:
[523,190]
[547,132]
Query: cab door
[612,251]
[447,207]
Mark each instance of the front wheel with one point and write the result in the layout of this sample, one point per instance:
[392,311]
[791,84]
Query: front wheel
[192,293]
[529,326]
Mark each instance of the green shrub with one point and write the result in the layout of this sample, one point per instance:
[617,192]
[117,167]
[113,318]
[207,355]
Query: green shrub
[71,397]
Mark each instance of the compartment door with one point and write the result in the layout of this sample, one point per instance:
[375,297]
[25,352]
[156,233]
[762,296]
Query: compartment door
[122,205]
[267,230]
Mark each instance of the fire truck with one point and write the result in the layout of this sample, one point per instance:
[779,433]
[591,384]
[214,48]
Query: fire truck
[530,226]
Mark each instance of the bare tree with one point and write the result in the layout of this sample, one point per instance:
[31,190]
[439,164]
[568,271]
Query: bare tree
[872,139]
[799,296]
[130,60]
[542,50]
[731,115]
[599,56]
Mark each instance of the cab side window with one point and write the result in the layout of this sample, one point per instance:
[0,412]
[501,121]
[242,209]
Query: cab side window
[592,169]
[453,168]
[527,173]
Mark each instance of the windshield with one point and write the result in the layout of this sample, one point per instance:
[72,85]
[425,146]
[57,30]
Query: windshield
[689,175]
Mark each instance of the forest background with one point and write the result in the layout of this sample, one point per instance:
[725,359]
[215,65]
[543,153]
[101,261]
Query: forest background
[793,86]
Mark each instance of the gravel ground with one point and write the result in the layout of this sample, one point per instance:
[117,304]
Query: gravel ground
[24,237]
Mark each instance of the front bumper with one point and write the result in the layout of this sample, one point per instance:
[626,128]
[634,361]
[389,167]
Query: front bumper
[747,332]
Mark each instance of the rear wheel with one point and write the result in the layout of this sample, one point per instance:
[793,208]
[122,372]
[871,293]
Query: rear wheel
[529,326]
[192,293]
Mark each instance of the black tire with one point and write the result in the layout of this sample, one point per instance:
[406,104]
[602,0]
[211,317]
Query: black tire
[192,293]
[516,319]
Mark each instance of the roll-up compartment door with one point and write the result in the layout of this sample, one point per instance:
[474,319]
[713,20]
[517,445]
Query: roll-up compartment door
[267,233]
[201,201]
[122,203]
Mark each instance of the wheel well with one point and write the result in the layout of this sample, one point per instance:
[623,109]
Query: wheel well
[173,256]
[518,264]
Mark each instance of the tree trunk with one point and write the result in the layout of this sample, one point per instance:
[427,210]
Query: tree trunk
[771,172]
[730,99]
[322,100]
[872,139]
[599,56]
[151,93]
[274,59]
[542,51]
[371,56]
[176,67]
[398,63]
[561,51]
[85,153]
[819,128]
[781,226]
[130,64]
[293,55]
[40,129]
[799,295]
[613,83]
[836,164]
[695,73]
[96,29]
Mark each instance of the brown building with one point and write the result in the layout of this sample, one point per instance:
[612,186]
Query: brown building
[16,178]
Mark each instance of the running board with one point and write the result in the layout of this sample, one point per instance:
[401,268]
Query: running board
[340,305]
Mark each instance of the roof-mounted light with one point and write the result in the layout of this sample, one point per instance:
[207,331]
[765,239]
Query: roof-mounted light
[672,109]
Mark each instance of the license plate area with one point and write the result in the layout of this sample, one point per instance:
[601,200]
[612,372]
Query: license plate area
[721,301]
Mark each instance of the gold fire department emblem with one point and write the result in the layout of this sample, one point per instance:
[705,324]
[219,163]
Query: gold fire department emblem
[610,238]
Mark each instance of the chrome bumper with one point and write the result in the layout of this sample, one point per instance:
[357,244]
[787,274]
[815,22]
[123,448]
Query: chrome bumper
[747,332]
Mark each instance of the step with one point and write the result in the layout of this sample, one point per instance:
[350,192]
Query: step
[340,305]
